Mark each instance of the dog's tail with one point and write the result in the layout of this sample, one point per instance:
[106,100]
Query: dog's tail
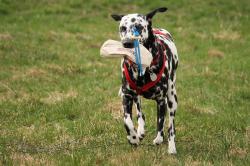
[120,92]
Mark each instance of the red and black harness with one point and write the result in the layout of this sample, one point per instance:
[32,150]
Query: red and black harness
[146,87]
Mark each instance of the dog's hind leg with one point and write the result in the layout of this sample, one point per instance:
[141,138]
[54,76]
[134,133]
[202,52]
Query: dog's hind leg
[128,123]
[161,112]
[172,107]
[140,118]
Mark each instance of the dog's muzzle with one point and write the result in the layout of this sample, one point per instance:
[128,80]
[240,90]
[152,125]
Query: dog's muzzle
[128,43]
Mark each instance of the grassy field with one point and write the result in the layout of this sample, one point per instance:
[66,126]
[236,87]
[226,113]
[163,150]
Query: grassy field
[58,97]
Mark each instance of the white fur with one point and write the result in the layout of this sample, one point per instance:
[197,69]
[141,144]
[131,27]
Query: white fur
[158,140]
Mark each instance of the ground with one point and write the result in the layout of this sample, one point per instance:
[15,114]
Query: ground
[58,97]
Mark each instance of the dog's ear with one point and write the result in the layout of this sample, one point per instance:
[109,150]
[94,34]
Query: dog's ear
[117,17]
[150,15]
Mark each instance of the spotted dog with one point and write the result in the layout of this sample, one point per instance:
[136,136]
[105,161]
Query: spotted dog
[157,82]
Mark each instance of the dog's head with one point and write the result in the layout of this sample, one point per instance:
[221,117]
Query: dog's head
[140,23]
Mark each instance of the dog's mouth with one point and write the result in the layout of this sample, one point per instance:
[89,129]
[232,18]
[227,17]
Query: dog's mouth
[128,44]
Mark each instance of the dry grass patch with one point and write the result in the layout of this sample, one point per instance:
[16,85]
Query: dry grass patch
[226,35]
[201,35]
[53,36]
[56,97]
[27,159]
[33,72]
[68,69]
[9,94]
[191,162]
[55,68]
[238,152]
[26,130]
[215,53]
[115,108]
[208,72]
[5,36]
[194,108]
[130,157]
[16,96]
[248,134]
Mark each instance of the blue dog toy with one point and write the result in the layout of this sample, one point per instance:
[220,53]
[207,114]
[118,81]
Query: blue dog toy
[137,52]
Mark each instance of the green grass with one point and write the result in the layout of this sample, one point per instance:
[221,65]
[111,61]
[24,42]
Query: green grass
[58,97]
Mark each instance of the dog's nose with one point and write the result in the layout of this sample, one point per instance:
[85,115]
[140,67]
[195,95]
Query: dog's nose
[128,44]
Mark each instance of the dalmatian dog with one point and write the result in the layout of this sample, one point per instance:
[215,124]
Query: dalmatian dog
[156,83]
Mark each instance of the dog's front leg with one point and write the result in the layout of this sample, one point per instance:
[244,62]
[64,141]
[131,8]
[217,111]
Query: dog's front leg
[128,123]
[161,112]
[140,118]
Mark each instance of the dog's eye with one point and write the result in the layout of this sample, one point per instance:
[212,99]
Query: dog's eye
[123,28]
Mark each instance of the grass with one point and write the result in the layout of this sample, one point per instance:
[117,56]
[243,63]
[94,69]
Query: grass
[58,97]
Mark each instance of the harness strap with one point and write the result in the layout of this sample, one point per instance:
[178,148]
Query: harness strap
[147,86]
[132,84]
[158,32]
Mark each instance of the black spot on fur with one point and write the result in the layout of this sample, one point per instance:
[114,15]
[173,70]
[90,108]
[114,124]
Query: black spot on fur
[175,97]
[127,129]
[143,117]
[171,113]
[141,137]
[170,104]
[169,129]
[133,20]
[134,137]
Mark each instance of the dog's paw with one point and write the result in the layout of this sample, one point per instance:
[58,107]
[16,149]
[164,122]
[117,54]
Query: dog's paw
[134,140]
[141,133]
[158,140]
[171,147]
